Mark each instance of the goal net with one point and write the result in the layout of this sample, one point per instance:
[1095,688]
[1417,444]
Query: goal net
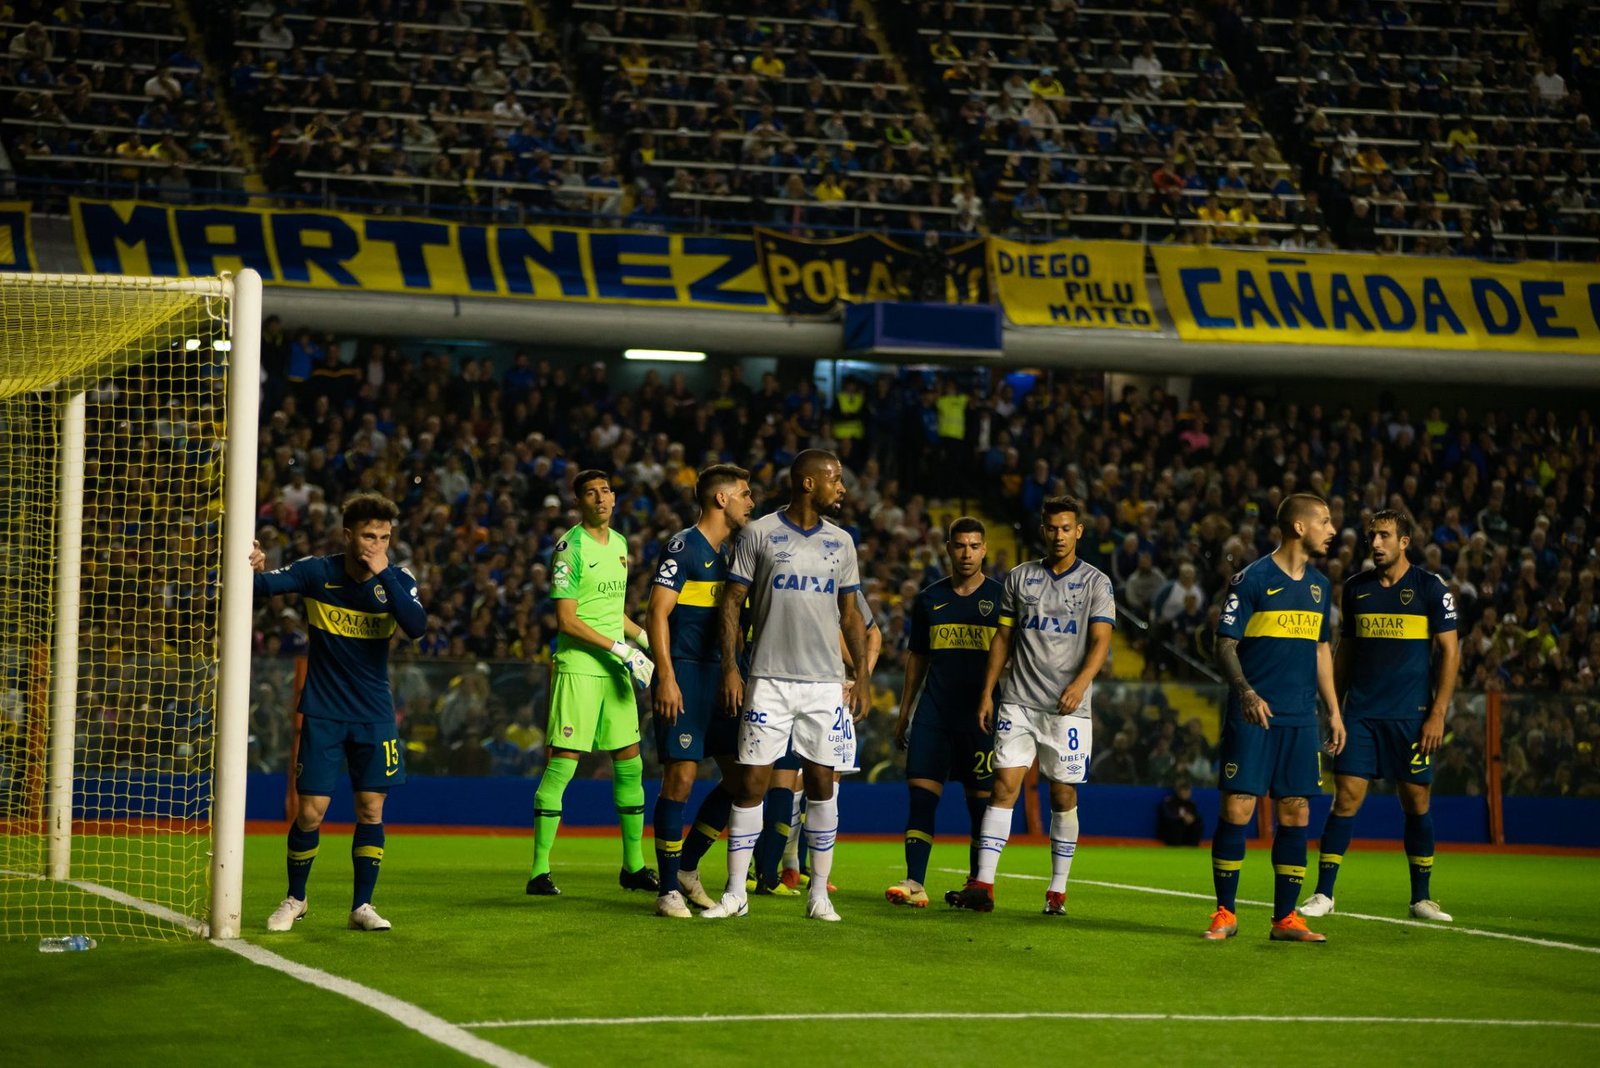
[114,476]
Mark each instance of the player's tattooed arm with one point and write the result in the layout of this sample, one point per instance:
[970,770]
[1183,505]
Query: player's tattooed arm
[733,594]
[1250,703]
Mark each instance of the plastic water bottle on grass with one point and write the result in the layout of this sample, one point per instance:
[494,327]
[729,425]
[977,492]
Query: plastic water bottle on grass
[72,944]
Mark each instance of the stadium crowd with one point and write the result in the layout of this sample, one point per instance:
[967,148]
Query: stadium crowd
[1439,127]
[1180,496]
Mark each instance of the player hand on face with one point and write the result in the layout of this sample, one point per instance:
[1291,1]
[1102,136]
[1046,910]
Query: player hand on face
[1256,711]
[1072,696]
[732,692]
[669,700]
[986,713]
[1432,734]
[258,559]
[375,557]
[1336,734]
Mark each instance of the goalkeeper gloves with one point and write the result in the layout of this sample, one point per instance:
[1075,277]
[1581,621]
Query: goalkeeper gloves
[639,665]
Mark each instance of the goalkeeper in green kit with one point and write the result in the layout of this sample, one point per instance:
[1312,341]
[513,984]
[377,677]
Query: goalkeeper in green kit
[591,689]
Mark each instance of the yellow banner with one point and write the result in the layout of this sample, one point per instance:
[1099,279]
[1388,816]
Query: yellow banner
[1071,283]
[389,254]
[16,236]
[1379,301]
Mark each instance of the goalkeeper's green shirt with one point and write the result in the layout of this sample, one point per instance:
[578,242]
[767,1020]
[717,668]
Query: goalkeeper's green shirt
[595,574]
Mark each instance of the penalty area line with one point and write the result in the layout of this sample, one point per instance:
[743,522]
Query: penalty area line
[404,1013]
[1126,1017]
[1548,943]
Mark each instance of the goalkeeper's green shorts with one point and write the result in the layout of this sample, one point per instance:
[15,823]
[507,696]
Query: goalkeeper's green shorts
[592,712]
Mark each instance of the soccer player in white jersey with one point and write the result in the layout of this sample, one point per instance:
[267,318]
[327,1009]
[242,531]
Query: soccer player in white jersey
[1056,618]
[800,572]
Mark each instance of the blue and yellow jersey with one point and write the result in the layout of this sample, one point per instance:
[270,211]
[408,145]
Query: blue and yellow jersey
[954,633]
[347,671]
[695,570]
[1392,628]
[1279,623]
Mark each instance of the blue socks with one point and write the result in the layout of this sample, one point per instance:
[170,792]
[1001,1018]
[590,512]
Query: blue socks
[366,853]
[1335,843]
[1419,853]
[919,833]
[669,841]
[976,804]
[1227,857]
[302,851]
[709,823]
[1289,869]
[775,832]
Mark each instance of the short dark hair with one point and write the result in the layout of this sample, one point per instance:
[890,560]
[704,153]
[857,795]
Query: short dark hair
[1401,520]
[965,525]
[586,476]
[1295,508]
[716,478]
[366,507]
[808,463]
[1057,505]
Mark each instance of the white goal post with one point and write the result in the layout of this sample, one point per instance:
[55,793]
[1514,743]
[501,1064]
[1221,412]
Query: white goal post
[142,393]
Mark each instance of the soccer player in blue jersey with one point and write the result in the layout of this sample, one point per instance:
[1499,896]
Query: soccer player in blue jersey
[353,601]
[952,623]
[1273,648]
[682,624]
[1395,617]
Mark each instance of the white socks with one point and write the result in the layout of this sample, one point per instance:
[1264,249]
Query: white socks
[1063,844]
[992,837]
[822,827]
[744,827]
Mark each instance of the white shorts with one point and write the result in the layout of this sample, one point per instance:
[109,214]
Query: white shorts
[808,715]
[1063,744]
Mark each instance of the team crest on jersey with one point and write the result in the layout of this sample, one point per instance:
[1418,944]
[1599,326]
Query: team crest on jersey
[985,607]
[380,593]
[566,732]
[675,545]
[1238,577]
[622,562]
[1230,771]
[684,740]
[1406,595]
[1316,594]
[561,546]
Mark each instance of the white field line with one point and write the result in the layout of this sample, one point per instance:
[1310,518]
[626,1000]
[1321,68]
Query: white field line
[1548,943]
[1129,1017]
[404,1013]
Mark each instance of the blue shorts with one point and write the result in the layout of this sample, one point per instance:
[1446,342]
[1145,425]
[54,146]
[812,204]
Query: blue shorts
[1384,749]
[702,728]
[949,754]
[1281,762]
[373,752]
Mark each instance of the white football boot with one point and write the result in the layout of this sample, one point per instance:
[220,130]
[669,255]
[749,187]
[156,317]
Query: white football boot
[1317,905]
[284,916]
[366,918]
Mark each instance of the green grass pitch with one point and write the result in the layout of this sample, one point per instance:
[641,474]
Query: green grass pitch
[470,948]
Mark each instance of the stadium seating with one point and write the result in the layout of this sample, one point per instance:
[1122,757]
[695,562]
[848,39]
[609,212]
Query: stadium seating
[110,98]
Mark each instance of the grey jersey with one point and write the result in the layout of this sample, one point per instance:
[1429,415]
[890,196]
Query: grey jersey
[1051,615]
[795,578]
